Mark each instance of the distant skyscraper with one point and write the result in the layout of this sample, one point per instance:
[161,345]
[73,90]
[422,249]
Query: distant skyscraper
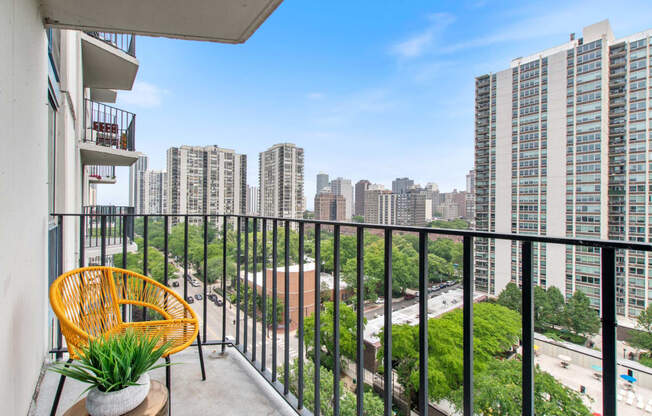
[281,181]
[360,190]
[380,205]
[322,181]
[470,195]
[401,185]
[154,184]
[561,149]
[341,186]
[136,188]
[208,180]
[253,200]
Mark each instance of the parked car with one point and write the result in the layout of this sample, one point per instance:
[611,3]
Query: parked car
[198,296]
[189,299]
[175,283]
[212,297]
[219,302]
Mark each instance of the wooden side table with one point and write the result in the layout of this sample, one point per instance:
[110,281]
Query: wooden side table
[155,404]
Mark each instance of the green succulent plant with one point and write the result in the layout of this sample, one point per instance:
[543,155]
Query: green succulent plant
[116,361]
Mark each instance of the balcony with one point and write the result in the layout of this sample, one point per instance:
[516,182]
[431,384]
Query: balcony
[101,174]
[258,349]
[115,223]
[109,60]
[108,136]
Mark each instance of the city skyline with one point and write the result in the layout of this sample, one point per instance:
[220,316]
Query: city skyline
[411,82]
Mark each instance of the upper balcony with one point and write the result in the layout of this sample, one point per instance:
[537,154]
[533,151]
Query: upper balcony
[109,60]
[108,136]
[101,174]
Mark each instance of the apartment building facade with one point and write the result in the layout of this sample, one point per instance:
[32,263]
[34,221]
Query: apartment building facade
[360,196]
[330,207]
[561,150]
[252,200]
[344,188]
[281,181]
[206,179]
[151,192]
[322,181]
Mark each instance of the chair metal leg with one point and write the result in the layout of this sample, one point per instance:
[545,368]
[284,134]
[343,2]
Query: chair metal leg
[201,357]
[57,396]
[168,384]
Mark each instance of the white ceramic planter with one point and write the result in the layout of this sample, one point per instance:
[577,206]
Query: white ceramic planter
[119,402]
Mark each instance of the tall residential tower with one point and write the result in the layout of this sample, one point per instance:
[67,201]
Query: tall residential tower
[562,141]
[281,181]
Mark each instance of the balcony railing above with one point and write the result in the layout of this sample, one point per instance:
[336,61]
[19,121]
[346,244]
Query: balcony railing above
[101,173]
[126,42]
[109,126]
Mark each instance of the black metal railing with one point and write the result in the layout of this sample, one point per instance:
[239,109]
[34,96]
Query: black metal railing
[98,173]
[103,224]
[243,336]
[126,42]
[109,126]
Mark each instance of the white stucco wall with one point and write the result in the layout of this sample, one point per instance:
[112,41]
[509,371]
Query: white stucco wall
[503,177]
[556,190]
[23,198]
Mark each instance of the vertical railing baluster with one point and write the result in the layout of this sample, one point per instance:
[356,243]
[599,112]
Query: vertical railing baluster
[609,324]
[359,387]
[245,280]
[224,231]
[468,324]
[82,239]
[527,316]
[165,250]
[274,297]
[237,300]
[103,242]
[387,331]
[185,261]
[263,330]
[254,298]
[145,255]
[301,313]
[123,223]
[205,337]
[59,255]
[317,382]
[423,323]
[336,320]
[286,317]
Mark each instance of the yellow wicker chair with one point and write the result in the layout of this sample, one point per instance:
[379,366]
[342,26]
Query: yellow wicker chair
[88,303]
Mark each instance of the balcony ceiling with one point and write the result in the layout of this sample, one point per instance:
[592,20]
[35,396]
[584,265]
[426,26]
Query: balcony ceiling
[227,21]
[93,154]
[105,66]
[100,95]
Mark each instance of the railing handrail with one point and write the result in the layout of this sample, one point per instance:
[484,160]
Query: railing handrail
[582,242]
[110,107]
[123,41]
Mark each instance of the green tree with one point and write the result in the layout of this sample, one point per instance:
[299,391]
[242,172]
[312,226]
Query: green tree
[511,297]
[579,317]
[358,218]
[643,338]
[496,330]
[372,404]
[548,307]
[457,224]
[497,391]
[348,334]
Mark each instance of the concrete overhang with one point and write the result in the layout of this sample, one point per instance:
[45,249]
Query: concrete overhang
[93,154]
[105,66]
[226,21]
[100,95]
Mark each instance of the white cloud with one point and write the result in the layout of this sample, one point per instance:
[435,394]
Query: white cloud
[419,43]
[315,96]
[143,94]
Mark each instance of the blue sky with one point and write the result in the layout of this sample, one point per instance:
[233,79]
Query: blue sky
[369,89]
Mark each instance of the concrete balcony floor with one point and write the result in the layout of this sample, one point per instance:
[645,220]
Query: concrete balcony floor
[232,387]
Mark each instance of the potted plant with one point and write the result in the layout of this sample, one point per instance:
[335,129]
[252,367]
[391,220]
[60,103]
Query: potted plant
[116,368]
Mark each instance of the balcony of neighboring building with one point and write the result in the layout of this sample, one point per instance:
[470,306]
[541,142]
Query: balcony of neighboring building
[113,222]
[109,135]
[109,60]
[101,174]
